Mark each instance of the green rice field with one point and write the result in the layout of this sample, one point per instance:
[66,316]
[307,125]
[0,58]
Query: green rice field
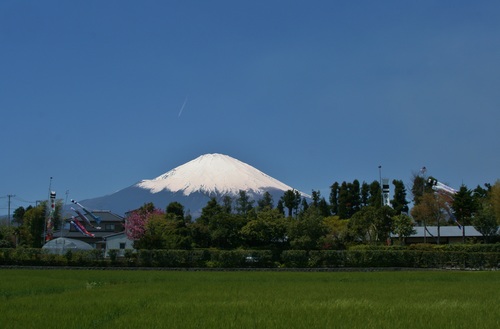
[212,299]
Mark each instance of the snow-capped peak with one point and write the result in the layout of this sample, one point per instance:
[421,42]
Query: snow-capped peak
[213,173]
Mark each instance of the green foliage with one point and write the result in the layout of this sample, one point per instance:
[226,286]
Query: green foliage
[176,209]
[464,206]
[415,256]
[113,254]
[494,199]
[375,199]
[307,232]
[291,200]
[336,233]
[268,230]
[485,221]
[243,203]
[295,258]
[266,202]
[402,226]
[7,236]
[31,231]
[399,203]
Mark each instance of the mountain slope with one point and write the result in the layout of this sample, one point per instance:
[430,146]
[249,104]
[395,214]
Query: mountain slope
[213,173]
[193,184]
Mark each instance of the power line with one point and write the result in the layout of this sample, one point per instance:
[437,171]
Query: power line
[22,200]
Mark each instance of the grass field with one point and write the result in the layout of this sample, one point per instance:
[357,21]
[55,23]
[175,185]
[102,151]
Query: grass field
[184,299]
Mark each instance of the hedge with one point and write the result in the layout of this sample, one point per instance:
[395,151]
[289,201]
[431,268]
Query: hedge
[422,257]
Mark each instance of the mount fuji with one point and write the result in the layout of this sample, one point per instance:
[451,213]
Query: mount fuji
[193,184]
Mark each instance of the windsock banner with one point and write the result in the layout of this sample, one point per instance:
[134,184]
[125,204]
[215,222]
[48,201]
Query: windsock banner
[76,223]
[96,218]
[82,216]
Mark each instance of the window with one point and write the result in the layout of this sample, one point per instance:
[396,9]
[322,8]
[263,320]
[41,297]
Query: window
[110,227]
[122,245]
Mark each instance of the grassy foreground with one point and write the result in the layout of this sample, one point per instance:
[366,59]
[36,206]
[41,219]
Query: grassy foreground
[164,299]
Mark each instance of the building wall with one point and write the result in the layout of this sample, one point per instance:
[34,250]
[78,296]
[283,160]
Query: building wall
[119,242]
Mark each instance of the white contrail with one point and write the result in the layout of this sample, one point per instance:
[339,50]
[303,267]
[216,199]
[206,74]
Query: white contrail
[182,107]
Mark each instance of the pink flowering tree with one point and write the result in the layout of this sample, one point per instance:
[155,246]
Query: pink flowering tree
[137,221]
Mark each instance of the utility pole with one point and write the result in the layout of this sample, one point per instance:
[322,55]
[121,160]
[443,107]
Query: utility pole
[9,196]
[380,183]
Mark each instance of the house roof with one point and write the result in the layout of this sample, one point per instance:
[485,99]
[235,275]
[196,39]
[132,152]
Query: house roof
[105,215]
[445,231]
[114,235]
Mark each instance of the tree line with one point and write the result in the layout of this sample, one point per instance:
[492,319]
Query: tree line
[353,214]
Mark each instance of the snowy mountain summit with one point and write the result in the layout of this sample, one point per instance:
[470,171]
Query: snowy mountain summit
[193,184]
[213,174]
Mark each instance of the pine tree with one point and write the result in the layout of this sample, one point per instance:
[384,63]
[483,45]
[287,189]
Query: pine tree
[266,202]
[463,205]
[334,193]
[399,203]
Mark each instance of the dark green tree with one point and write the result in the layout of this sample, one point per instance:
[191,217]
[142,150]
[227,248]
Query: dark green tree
[7,236]
[200,229]
[365,194]
[210,210]
[266,231]
[399,203]
[324,208]
[337,233]
[375,199]
[420,186]
[32,229]
[225,230]
[344,204]
[315,196]
[17,216]
[384,223]
[485,222]
[303,205]
[243,203]
[361,226]
[334,195]
[266,202]
[281,207]
[371,224]
[175,233]
[291,200]
[155,227]
[176,209]
[308,232]
[402,226]
[320,203]
[481,193]
[355,196]
[463,205]
[227,204]
[494,200]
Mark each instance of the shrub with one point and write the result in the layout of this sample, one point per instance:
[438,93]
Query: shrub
[113,254]
[295,258]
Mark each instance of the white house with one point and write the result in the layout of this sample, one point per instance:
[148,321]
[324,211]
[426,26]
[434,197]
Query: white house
[118,241]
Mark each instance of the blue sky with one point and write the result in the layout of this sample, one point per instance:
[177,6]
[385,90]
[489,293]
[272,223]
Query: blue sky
[101,94]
